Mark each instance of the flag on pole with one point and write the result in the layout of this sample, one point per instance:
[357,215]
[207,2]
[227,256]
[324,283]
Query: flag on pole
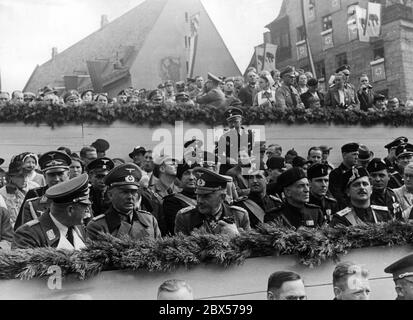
[374,19]
[194,24]
[269,58]
[259,58]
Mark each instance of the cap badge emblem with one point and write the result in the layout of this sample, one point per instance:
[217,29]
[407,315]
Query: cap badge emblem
[54,163]
[130,179]
[104,161]
[51,155]
[201,183]
[50,235]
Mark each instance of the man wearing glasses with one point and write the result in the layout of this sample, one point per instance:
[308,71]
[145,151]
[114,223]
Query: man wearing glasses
[285,285]
[402,271]
[351,282]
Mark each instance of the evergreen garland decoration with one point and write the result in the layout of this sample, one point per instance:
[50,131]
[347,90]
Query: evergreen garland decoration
[310,246]
[156,114]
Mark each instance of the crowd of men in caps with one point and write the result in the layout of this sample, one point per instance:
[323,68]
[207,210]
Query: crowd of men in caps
[289,88]
[60,198]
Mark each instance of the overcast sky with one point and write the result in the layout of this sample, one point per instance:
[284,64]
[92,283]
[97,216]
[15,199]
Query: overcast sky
[30,28]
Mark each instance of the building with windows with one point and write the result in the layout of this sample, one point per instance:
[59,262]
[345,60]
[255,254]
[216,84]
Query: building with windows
[327,34]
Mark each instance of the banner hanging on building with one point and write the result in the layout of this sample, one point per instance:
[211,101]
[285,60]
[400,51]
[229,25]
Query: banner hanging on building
[352,23]
[302,51]
[374,19]
[270,52]
[378,70]
[361,24]
[193,42]
[327,40]
[259,57]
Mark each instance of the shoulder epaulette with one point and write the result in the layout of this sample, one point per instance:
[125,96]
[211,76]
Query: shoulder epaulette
[146,212]
[343,212]
[239,209]
[32,223]
[186,209]
[275,198]
[380,208]
[331,199]
[240,199]
[312,206]
[98,217]
[32,199]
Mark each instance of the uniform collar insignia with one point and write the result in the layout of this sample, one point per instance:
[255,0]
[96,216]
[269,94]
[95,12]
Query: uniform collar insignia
[50,235]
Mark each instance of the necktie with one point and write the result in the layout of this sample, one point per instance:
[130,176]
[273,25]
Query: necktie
[69,235]
[293,97]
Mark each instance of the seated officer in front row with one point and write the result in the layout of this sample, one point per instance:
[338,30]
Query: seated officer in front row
[122,218]
[211,212]
[356,185]
[296,211]
[62,226]
[402,271]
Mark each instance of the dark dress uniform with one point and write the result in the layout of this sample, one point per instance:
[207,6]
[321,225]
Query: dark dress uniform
[387,198]
[100,201]
[138,226]
[43,232]
[258,207]
[173,203]
[32,209]
[396,180]
[352,216]
[190,218]
[401,269]
[309,216]
[335,185]
[327,204]
[390,164]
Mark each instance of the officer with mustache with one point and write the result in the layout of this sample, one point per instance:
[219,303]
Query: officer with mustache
[357,187]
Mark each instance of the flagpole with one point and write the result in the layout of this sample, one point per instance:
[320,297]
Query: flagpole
[310,55]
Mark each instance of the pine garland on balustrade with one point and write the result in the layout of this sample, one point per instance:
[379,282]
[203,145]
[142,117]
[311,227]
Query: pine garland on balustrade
[310,246]
[156,114]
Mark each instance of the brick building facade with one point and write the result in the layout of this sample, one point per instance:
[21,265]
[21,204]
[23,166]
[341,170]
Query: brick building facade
[387,58]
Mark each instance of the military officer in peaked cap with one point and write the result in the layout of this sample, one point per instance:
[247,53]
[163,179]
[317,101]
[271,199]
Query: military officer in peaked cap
[211,213]
[318,178]
[123,218]
[356,185]
[404,155]
[97,170]
[62,226]
[350,152]
[391,149]
[235,139]
[402,271]
[296,211]
[212,94]
[55,167]
[382,195]
[287,96]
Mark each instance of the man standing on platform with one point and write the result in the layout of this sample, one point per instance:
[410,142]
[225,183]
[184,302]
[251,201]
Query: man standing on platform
[390,160]
[213,94]
[247,93]
[287,95]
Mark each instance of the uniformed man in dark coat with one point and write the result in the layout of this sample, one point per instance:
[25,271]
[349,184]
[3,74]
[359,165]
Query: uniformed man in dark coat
[287,96]
[404,155]
[296,211]
[356,185]
[233,140]
[97,170]
[55,167]
[211,213]
[382,195]
[350,153]
[319,180]
[186,198]
[391,147]
[258,203]
[212,94]
[402,271]
[122,218]
[61,227]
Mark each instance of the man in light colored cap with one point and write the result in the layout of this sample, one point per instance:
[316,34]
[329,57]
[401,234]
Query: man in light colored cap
[55,167]
[212,94]
[123,218]
[62,226]
[402,271]
[296,211]
[357,186]
[287,96]
[211,213]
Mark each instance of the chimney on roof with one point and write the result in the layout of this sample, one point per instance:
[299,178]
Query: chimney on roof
[267,37]
[54,52]
[104,20]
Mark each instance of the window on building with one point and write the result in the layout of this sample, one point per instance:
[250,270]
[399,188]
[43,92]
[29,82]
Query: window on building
[320,69]
[300,34]
[378,53]
[341,59]
[327,23]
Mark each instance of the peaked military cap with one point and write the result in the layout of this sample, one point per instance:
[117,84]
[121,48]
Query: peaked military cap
[100,164]
[101,145]
[182,95]
[402,268]
[214,78]
[317,170]
[290,176]
[75,190]
[1,161]
[288,70]
[396,142]
[137,150]
[376,165]
[404,149]
[354,174]
[233,112]
[343,67]
[190,80]
[54,161]
[209,181]
[127,174]
[350,147]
